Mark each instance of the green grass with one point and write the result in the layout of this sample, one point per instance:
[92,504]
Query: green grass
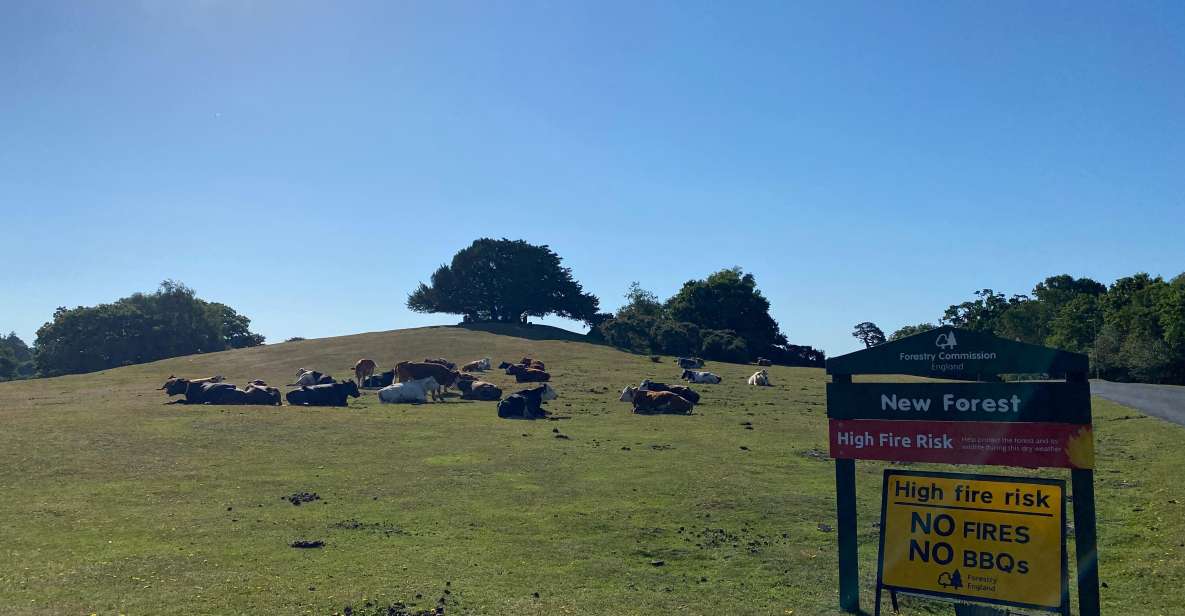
[112,502]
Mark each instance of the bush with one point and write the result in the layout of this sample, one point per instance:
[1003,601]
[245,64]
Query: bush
[675,338]
[724,345]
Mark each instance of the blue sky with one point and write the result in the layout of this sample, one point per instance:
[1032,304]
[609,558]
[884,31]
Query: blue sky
[309,162]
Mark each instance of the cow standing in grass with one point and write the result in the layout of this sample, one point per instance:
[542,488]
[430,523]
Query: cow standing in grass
[363,369]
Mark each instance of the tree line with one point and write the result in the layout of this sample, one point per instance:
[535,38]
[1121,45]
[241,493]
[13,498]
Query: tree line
[1133,330]
[139,328]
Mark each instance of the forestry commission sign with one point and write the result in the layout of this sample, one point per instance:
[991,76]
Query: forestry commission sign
[972,538]
[992,539]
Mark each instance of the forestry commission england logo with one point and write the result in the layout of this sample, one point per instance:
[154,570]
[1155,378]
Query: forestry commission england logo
[946,341]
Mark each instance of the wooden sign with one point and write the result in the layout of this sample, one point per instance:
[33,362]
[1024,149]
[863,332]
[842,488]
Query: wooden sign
[1037,423]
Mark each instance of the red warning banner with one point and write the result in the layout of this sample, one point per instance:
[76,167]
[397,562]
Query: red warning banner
[1027,444]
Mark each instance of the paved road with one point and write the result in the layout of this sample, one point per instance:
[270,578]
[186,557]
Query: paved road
[1163,401]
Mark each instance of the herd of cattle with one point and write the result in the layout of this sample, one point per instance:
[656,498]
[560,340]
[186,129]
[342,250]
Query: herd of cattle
[417,382]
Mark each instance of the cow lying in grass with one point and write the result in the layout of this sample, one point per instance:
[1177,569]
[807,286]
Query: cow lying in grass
[440,361]
[525,404]
[522,374]
[334,394]
[686,393]
[760,378]
[696,376]
[656,402]
[415,392]
[477,366]
[307,378]
[208,379]
[382,379]
[479,390]
[205,392]
[689,362]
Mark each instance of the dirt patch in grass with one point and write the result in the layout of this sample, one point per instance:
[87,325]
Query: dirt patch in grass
[296,498]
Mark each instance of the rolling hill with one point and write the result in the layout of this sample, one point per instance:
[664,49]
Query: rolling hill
[112,501]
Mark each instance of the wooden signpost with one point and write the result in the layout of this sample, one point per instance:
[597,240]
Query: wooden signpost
[985,422]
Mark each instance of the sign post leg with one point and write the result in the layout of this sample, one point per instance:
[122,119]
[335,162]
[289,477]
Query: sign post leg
[845,505]
[1085,542]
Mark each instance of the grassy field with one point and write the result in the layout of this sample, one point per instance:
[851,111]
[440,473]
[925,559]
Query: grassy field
[112,502]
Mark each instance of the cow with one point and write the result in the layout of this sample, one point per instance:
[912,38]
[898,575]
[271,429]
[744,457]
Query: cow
[652,402]
[409,370]
[533,364]
[546,392]
[441,361]
[208,379]
[696,376]
[382,379]
[206,392]
[760,378]
[307,378]
[686,393]
[523,374]
[479,390]
[333,394]
[524,404]
[203,392]
[761,361]
[477,365]
[416,391]
[259,393]
[689,362]
[363,369]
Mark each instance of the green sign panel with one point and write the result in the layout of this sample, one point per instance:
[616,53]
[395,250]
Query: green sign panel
[952,353]
[1022,402]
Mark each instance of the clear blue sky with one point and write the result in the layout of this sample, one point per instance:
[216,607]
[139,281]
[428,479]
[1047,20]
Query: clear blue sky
[309,162]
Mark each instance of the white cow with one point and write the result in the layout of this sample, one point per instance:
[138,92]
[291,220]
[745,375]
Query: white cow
[760,378]
[549,393]
[416,391]
[696,376]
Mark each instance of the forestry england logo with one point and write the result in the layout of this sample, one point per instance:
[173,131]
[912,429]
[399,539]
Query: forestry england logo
[946,341]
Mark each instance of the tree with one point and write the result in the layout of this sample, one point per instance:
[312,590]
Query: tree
[868,333]
[910,330]
[1076,324]
[172,321]
[724,345]
[728,300]
[983,313]
[506,281]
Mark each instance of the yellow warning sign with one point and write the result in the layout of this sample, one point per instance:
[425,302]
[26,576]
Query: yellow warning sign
[980,538]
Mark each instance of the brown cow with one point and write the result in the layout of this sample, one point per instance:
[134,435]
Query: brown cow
[533,364]
[410,370]
[363,370]
[647,402]
[522,374]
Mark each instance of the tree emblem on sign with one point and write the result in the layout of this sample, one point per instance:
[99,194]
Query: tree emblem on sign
[950,580]
[946,341]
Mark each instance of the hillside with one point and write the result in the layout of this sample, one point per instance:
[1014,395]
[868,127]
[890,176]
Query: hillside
[114,502]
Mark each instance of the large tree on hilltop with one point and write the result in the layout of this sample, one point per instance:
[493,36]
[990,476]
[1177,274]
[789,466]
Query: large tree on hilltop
[505,280]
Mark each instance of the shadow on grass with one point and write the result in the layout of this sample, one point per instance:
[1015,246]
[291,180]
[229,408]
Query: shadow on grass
[530,332]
